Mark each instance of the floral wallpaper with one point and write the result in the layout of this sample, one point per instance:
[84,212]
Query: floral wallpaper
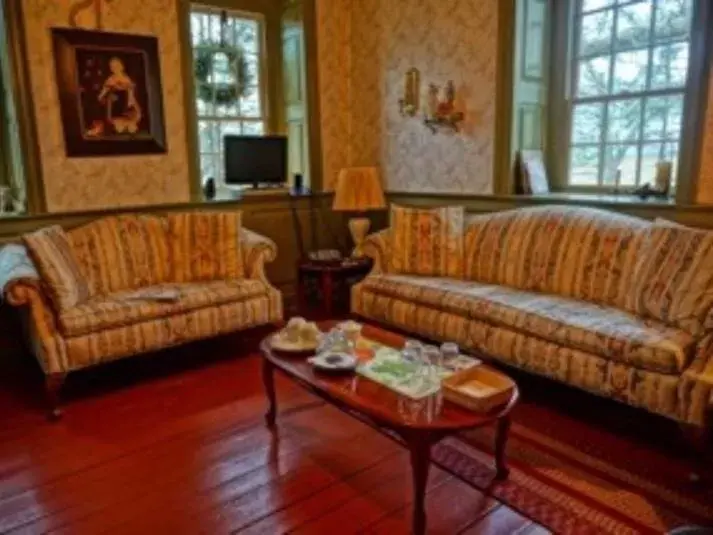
[369,46]
[95,183]
[333,36]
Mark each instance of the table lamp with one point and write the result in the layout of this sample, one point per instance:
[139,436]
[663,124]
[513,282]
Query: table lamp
[358,190]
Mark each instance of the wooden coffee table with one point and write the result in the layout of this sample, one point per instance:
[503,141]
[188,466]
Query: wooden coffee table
[417,424]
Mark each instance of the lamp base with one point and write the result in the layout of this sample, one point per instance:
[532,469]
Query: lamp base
[359,228]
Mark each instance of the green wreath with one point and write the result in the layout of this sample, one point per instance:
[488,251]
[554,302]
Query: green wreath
[224,94]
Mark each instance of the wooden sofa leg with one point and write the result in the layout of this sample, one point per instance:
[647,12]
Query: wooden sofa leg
[699,443]
[53,387]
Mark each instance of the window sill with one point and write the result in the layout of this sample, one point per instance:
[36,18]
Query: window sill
[602,198]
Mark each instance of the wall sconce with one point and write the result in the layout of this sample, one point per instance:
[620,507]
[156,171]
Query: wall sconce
[440,112]
[409,104]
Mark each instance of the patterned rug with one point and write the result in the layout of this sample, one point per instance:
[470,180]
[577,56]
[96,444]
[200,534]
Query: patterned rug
[573,476]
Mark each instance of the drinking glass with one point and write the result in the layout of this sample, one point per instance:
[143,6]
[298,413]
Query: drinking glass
[449,352]
[412,350]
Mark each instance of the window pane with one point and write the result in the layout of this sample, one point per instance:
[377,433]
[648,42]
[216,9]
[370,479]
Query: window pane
[633,25]
[214,29]
[584,166]
[624,118]
[247,35]
[207,136]
[229,128]
[587,123]
[652,153]
[673,19]
[256,128]
[593,77]
[630,71]
[620,160]
[590,5]
[670,66]
[253,64]
[596,33]
[250,103]
[208,167]
[197,28]
[663,117]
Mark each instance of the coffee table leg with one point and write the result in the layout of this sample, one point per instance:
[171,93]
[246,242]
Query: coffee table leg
[501,440]
[420,464]
[268,379]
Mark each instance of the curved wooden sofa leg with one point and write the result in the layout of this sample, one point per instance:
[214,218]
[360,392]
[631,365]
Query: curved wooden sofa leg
[700,443]
[53,387]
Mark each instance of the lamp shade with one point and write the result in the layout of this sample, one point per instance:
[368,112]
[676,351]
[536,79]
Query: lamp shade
[358,190]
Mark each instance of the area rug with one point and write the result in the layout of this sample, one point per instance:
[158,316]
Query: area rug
[574,477]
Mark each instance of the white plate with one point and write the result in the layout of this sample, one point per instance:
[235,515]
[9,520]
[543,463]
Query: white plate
[281,343]
[333,362]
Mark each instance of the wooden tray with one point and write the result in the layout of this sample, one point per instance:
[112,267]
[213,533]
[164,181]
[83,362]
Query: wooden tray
[479,388]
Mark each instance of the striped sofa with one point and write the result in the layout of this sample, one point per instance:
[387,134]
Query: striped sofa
[126,261]
[609,303]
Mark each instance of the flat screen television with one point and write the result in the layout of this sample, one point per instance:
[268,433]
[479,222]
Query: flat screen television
[255,160]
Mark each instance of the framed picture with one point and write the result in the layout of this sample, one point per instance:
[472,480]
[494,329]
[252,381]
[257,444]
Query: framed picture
[532,175]
[109,92]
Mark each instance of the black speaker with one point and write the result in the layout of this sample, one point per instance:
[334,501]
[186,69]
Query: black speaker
[298,184]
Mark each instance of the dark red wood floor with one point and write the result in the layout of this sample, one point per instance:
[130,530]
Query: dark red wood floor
[175,443]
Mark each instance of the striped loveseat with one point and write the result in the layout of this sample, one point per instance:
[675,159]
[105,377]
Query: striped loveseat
[131,299]
[609,303]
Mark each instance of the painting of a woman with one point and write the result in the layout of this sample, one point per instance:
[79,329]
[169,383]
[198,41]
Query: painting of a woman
[118,95]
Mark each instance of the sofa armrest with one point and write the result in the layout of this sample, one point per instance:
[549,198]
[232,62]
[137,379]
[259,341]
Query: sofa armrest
[45,340]
[257,251]
[377,246]
[15,264]
[697,385]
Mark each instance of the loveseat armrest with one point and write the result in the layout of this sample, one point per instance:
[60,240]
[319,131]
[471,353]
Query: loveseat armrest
[697,385]
[377,246]
[257,251]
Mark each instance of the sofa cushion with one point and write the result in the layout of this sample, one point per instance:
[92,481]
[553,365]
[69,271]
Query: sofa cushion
[427,241]
[57,265]
[675,277]
[205,246]
[123,252]
[130,307]
[578,252]
[604,331]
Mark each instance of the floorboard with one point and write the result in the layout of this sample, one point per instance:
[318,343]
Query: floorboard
[176,443]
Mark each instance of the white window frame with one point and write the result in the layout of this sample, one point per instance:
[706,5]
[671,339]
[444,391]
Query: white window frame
[560,106]
[262,85]
[642,175]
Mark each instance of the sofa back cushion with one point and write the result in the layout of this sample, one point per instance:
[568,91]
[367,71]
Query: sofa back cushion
[206,246]
[674,277]
[427,241]
[58,267]
[123,253]
[578,252]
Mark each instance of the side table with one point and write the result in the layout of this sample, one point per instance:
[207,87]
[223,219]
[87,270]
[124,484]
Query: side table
[323,289]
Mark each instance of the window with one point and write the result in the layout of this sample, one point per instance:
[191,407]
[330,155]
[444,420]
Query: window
[227,58]
[629,75]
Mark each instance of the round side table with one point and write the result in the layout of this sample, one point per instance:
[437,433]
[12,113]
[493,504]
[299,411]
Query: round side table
[323,288]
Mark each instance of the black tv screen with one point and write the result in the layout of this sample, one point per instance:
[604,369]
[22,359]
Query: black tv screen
[255,160]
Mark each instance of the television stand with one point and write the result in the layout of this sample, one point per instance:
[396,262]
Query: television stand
[269,185]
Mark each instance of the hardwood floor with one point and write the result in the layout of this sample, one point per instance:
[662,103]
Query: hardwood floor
[175,443]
